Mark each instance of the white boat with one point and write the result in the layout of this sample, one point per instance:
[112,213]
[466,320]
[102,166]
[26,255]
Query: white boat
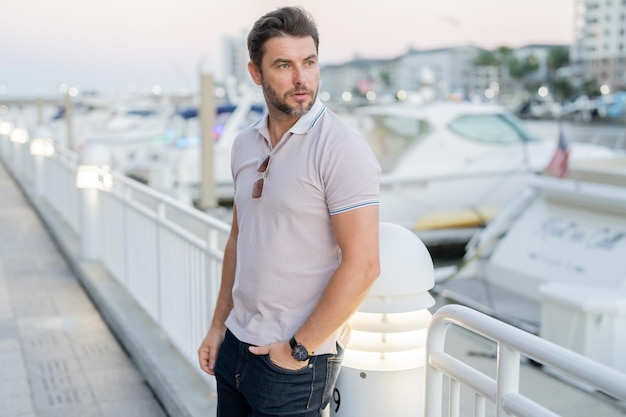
[552,262]
[152,141]
[448,167]
[183,155]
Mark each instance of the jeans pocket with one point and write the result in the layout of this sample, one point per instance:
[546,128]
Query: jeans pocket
[279,368]
[333,367]
[282,391]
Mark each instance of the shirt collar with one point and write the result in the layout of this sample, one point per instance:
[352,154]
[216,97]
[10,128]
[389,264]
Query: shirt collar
[304,123]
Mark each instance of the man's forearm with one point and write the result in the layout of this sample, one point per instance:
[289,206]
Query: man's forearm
[356,232]
[346,290]
[224,303]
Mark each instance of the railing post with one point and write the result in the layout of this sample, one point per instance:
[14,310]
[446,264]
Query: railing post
[508,375]
[433,391]
[208,198]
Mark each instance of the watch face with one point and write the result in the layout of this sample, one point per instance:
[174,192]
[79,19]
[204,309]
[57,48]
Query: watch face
[300,353]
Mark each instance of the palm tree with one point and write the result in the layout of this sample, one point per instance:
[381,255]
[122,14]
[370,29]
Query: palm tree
[501,58]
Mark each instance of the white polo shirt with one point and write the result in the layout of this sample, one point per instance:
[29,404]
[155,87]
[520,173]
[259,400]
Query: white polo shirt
[286,251]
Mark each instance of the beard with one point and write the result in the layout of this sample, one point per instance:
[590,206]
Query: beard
[274,99]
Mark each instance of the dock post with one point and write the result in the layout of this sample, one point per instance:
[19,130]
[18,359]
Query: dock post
[207,160]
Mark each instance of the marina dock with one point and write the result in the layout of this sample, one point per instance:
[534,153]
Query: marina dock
[59,357]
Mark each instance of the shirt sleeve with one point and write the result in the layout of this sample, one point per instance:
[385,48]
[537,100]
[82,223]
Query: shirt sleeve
[351,174]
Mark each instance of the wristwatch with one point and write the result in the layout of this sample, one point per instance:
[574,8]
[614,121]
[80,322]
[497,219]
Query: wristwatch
[298,351]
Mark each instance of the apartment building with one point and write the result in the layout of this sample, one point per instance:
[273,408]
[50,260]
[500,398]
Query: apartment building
[446,71]
[599,48]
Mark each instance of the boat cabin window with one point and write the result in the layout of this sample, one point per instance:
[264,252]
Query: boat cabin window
[492,128]
[390,136]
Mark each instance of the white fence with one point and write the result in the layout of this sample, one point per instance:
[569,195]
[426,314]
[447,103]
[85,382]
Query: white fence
[169,257]
[502,391]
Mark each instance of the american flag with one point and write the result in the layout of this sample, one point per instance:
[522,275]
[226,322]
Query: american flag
[559,162]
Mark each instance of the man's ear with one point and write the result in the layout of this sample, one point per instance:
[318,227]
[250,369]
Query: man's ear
[255,73]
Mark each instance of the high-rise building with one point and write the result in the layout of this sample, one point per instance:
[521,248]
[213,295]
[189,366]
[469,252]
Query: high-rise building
[236,59]
[599,49]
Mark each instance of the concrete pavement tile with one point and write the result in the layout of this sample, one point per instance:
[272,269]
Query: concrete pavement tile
[32,305]
[53,366]
[122,391]
[17,266]
[8,329]
[58,381]
[63,397]
[102,353]
[28,285]
[139,408]
[44,340]
[73,411]
[113,376]
[14,387]
[42,282]
[60,390]
[58,324]
[16,406]
[8,344]
[73,306]
[90,328]
[95,349]
[105,361]
[12,364]
[6,310]
[59,285]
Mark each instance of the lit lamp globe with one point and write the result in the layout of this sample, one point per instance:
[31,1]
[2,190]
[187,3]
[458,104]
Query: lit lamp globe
[42,144]
[383,367]
[93,167]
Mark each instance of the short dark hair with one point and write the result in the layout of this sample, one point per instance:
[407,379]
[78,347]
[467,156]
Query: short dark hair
[285,21]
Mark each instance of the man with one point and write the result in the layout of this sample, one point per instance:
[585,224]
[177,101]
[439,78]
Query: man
[303,248]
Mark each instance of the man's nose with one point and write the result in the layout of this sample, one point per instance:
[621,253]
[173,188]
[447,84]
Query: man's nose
[299,76]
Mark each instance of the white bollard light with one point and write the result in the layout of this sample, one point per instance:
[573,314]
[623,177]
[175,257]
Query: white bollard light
[41,147]
[92,177]
[19,135]
[5,137]
[5,127]
[383,367]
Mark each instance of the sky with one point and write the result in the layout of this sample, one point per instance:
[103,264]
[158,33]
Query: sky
[111,45]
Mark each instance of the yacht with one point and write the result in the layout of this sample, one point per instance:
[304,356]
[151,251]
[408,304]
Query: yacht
[552,262]
[449,167]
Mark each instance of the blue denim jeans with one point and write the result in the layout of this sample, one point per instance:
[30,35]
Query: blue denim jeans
[252,386]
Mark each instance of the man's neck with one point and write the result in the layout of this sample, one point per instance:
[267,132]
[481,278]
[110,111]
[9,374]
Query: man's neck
[278,124]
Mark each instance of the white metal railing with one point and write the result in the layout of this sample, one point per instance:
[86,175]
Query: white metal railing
[59,179]
[166,254]
[503,390]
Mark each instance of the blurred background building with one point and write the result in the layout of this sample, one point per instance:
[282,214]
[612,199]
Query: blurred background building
[593,65]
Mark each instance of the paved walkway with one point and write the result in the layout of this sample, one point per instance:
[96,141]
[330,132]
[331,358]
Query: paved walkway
[57,356]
